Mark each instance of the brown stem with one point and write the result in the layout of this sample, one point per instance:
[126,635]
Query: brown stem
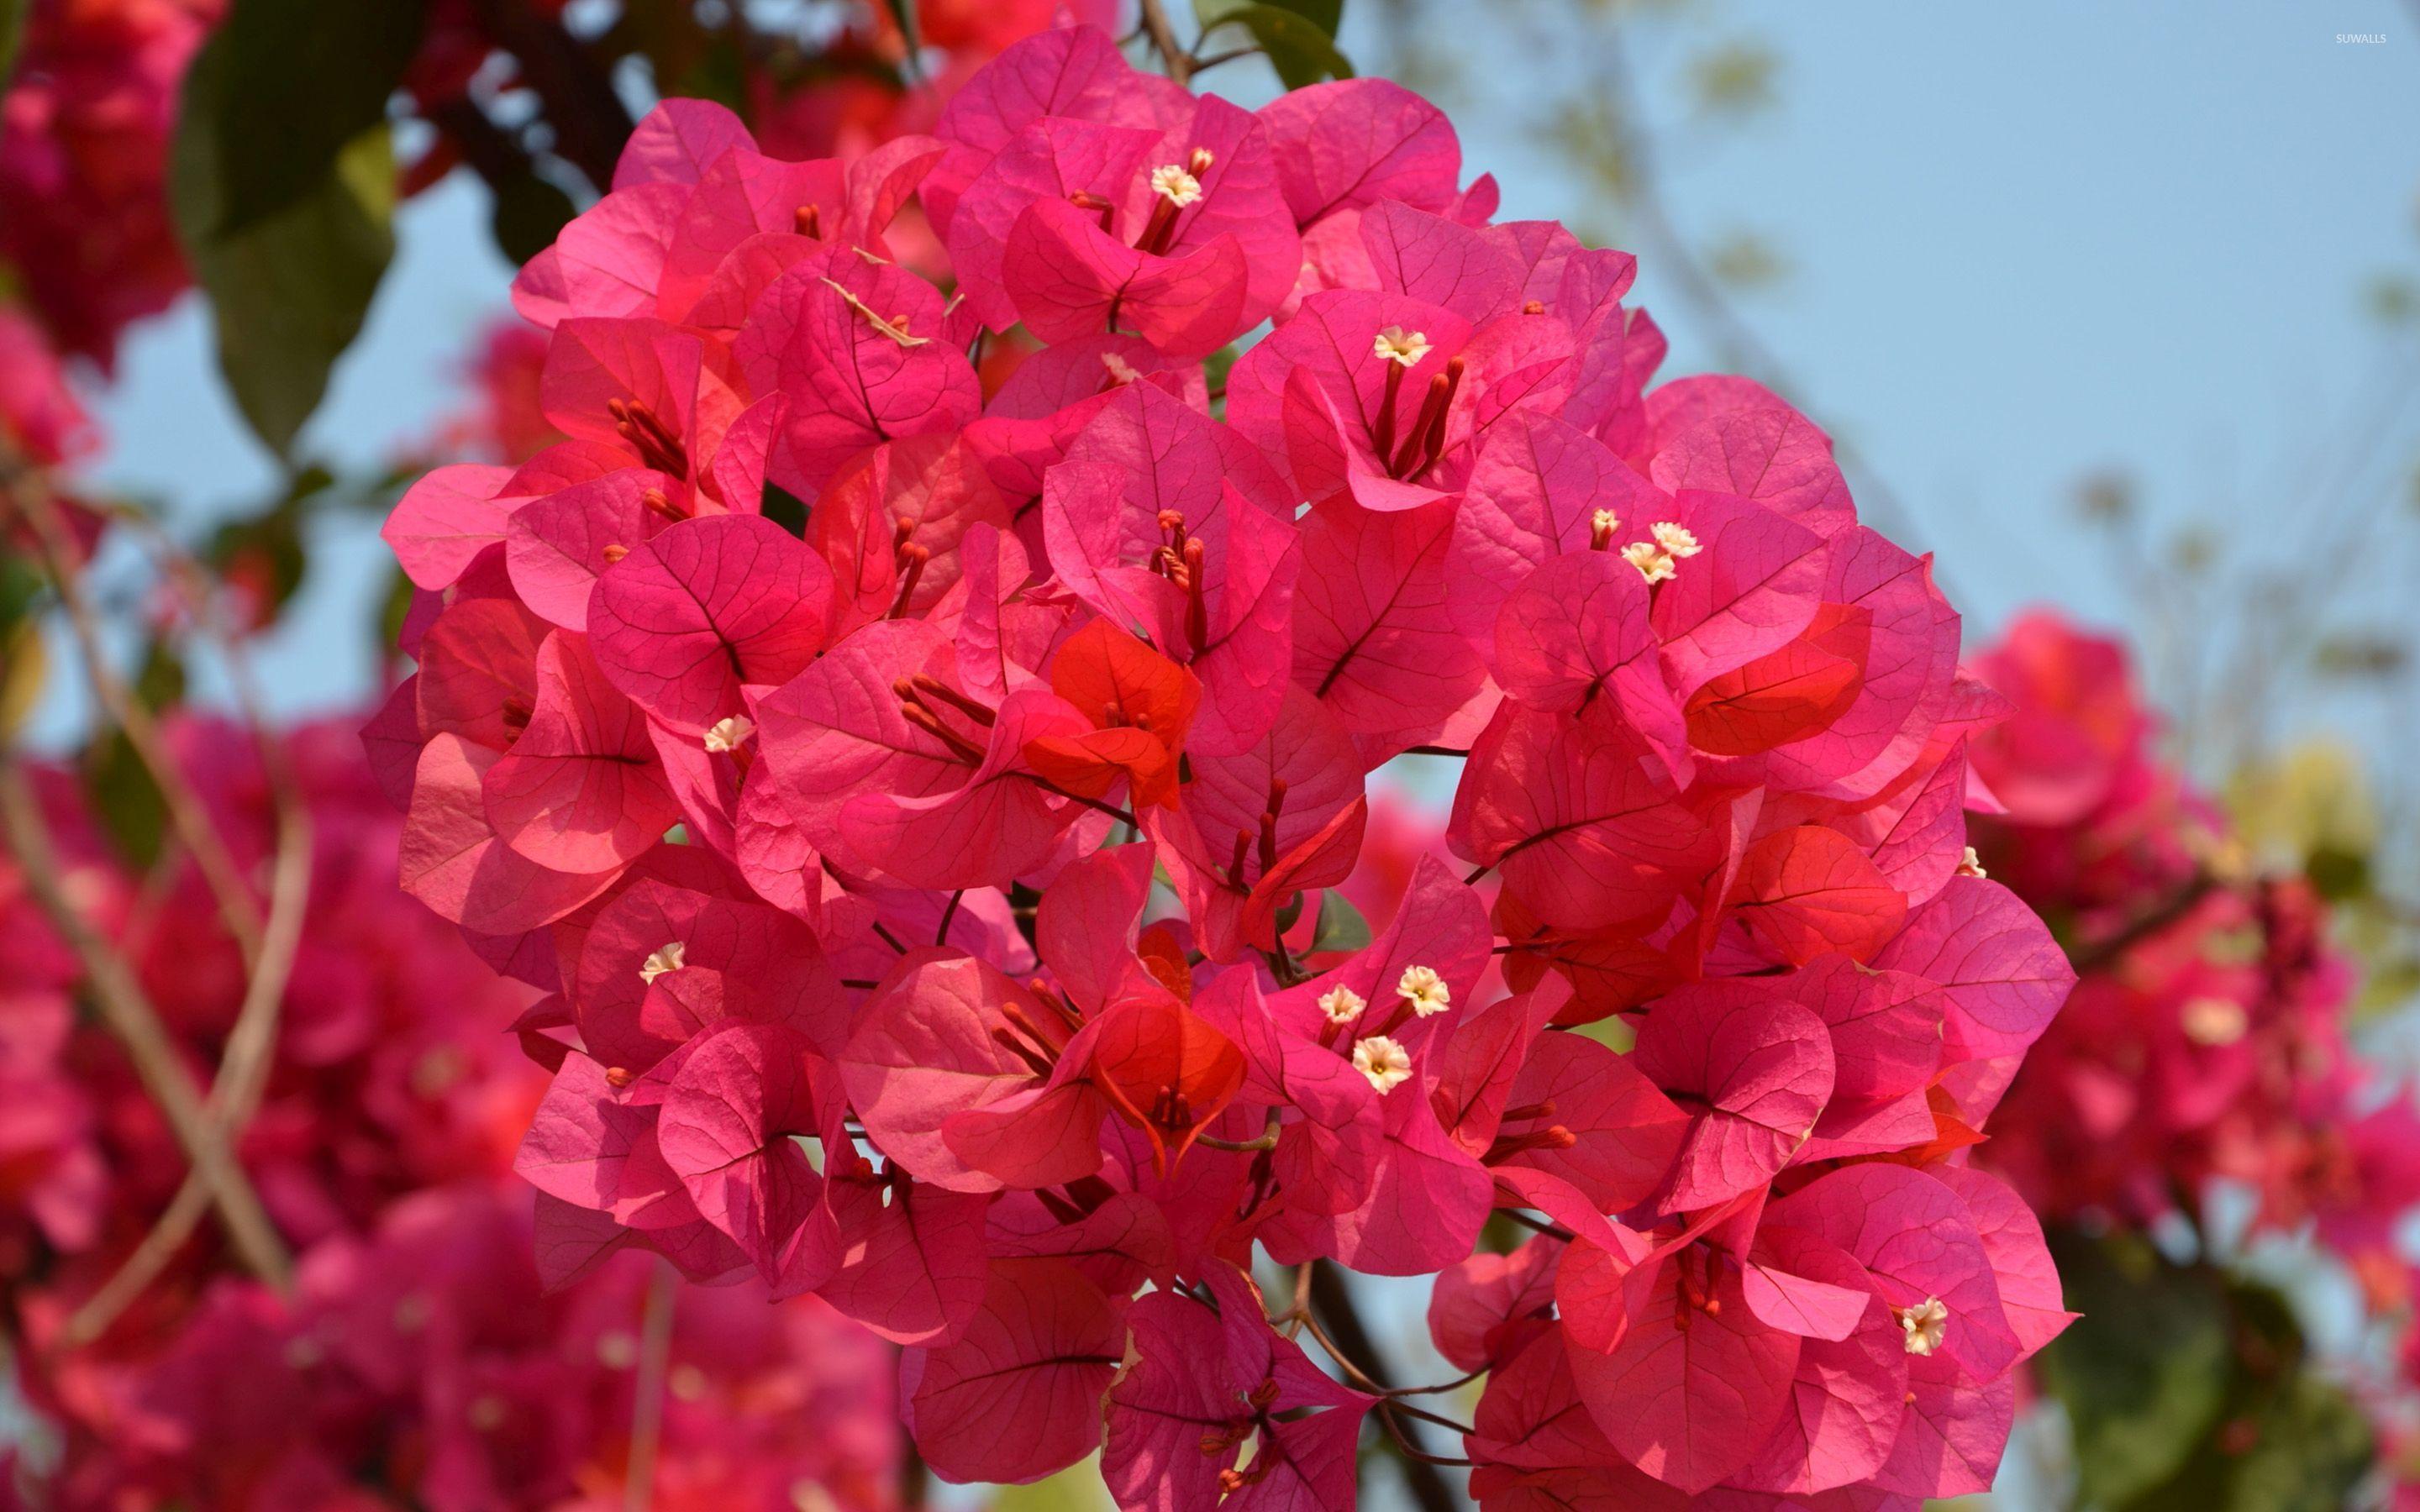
[2094,954]
[648,1388]
[1331,1305]
[245,1061]
[136,1024]
[1178,62]
[186,813]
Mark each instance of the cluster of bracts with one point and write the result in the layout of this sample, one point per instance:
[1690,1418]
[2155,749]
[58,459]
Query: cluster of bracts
[906,795]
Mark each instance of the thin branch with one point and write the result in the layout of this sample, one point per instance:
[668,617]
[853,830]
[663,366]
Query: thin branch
[648,1388]
[2094,954]
[186,812]
[1331,1300]
[245,1061]
[131,1017]
[1179,63]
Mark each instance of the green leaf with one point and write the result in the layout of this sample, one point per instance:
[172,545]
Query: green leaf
[1327,15]
[785,509]
[289,293]
[1298,37]
[1340,926]
[265,552]
[295,85]
[2310,1448]
[903,13]
[282,184]
[12,36]
[2144,1374]
[528,215]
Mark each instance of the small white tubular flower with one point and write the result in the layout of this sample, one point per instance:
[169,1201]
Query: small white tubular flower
[729,734]
[670,957]
[1926,1325]
[1677,539]
[1654,563]
[1174,184]
[1605,523]
[1425,990]
[1971,865]
[1342,1005]
[1387,1064]
[2214,1022]
[1396,345]
[1121,371]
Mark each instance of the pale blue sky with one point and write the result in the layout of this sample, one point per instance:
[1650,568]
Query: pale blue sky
[2024,242]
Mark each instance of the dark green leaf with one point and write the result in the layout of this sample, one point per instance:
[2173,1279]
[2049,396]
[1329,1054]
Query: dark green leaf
[529,214]
[12,36]
[288,292]
[1341,925]
[1290,912]
[903,13]
[1327,15]
[295,84]
[283,188]
[123,794]
[1300,47]
[785,509]
[2144,1374]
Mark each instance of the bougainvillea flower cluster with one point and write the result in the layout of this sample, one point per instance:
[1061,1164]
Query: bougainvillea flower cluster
[419,1361]
[83,147]
[2208,1037]
[904,786]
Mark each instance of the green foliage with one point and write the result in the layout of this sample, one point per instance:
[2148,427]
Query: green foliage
[12,36]
[2189,1390]
[1298,36]
[785,509]
[132,811]
[264,553]
[1340,926]
[529,214]
[281,183]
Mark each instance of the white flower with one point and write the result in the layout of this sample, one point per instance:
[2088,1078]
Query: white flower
[1396,345]
[1605,523]
[1925,1323]
[1121,371]
[1342,1005]
[729,734]
[671,958]
[1971,865]
[1425,990]
[1674,538]
[1173,183]
[1385,1063]
[1654,563]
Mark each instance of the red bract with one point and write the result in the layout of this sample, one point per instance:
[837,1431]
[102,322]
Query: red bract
[1008,794]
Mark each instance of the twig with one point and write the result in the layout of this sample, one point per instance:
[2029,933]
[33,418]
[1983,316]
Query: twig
[131,1017]
[185,809]
[1550,1230]
[647,1387]
[2095,955]
[245,1061]
[1179,63]
[1332,1302]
